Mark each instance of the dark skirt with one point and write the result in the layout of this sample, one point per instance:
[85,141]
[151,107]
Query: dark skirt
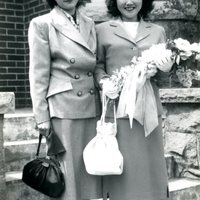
[145,175]
[75,135]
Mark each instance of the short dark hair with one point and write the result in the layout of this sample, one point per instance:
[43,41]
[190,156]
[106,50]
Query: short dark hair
[53,3]
[147,7]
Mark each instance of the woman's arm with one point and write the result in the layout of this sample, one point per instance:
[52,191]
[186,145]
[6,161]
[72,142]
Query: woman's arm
[165,62]
[100,69]
[39,69]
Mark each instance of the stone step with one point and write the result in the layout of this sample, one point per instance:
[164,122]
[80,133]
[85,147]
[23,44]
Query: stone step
[17,190]
[20,145]
[184,189]
[17,153]
[21,138]
[19,126]
[180,189]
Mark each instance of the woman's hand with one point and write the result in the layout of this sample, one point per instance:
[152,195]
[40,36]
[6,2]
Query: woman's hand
[151,70]
[165,62]
[44,128]
[109,89]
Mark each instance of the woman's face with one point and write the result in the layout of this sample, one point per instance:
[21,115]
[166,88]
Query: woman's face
[68,5]
[129,9]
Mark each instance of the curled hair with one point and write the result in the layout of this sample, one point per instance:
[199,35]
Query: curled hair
[53,3]
[147,6]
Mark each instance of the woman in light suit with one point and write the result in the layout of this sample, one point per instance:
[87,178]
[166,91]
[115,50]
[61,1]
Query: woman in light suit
[62,60]
[118,40]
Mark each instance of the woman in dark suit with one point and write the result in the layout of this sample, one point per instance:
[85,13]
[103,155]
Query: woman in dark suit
[62,60]
[118,40]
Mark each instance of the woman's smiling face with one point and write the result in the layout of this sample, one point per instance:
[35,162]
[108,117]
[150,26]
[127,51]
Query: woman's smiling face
[68,5]
[129,9]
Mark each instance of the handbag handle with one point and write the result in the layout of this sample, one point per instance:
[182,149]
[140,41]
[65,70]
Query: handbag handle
[104,109]
[39,144]
[104,106]
[40,141]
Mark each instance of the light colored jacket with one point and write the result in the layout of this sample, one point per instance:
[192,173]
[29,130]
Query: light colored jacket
[62,62]
[116,48]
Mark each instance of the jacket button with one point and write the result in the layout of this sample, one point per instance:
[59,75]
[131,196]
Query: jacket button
[72,60]
[77,76]
[89,73]
[91,91]
[79,93]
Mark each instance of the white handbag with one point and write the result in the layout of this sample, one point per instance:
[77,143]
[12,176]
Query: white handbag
[101,155]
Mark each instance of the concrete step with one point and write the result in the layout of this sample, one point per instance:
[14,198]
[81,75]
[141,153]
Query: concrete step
[20,145]
[21,139]
[17,190]
[184,189]
[180,189]
[20,152]
[19,126]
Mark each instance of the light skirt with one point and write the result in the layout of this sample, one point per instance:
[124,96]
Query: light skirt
[75,135]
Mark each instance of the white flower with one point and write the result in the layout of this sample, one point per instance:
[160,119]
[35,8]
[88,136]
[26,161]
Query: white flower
[153,53]
[158,56]
[184,48]
[119,76]
[197,57]
[197,75]
[195,47]
[182,44]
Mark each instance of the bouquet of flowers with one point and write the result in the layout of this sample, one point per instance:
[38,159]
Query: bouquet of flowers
[181,50]
[185,51]
[133,80]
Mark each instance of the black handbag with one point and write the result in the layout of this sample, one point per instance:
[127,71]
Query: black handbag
[44,175]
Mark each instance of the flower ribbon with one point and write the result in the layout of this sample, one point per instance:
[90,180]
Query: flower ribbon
[138,102]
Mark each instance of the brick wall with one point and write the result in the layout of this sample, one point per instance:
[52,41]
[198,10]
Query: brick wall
[14,19]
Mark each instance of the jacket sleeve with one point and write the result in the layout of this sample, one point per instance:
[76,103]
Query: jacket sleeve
[39,70]
[163,37]
[100,69]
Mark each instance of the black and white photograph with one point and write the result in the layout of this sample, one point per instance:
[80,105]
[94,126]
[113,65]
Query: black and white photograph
[100,100]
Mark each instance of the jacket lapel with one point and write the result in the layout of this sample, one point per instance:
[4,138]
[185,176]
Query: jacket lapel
[85,27]
[62,24]
[144,30]
[120,31]
[142,33]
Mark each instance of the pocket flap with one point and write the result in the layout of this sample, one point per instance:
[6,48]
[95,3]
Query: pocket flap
[58,86]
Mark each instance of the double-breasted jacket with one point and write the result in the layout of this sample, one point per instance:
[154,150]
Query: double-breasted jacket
[62,62]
